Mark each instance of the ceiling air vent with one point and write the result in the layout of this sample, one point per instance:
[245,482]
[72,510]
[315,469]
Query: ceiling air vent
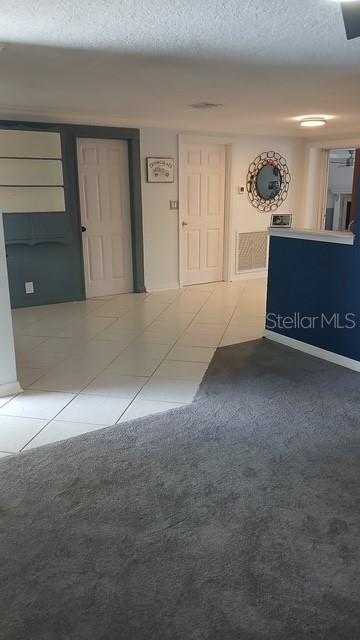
[205,105]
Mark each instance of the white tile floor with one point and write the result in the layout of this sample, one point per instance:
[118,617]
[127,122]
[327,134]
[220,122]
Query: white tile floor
[86,365]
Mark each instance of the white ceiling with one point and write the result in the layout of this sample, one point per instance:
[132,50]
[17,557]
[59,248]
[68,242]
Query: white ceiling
[142,62]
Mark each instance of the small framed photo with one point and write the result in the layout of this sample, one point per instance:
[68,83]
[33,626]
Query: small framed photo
[160,169]
[281,220]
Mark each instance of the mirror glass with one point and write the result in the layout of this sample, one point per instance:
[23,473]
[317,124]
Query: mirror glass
[268,182]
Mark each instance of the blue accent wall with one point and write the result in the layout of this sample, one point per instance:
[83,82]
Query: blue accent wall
[46,248]
[53,265]
[313,278]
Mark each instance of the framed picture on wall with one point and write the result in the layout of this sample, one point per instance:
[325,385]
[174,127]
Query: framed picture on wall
[160,169]
[281,220]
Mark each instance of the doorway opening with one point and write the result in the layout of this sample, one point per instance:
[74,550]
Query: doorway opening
[338,215]
[103,171]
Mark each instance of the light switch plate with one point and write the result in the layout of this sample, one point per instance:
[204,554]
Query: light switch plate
[173,204]
[29,287]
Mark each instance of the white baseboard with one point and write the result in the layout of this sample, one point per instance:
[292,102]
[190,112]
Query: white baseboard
[244,275]
[10,389]
[162,287]
[310,349]
[252,274]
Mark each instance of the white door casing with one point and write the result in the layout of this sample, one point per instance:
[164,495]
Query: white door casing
[105,214]
[202,212]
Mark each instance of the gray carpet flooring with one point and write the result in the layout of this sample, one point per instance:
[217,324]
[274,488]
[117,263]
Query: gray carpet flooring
[234,518]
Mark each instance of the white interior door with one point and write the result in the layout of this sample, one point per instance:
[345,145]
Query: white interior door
[202,212]
[105,215]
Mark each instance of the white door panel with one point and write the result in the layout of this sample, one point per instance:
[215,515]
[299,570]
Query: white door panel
[202,212]
[105,212]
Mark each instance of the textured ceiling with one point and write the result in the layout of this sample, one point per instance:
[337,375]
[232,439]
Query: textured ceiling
[143,62]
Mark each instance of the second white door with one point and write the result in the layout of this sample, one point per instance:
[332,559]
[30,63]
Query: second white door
[105,216]
[202,212]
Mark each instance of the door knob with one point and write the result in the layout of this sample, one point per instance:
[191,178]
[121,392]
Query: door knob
[83,229]
[184,224]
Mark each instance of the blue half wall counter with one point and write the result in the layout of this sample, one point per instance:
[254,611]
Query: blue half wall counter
[313,301]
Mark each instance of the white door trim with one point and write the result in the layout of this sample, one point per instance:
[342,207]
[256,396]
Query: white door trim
[183,140]
[323,187]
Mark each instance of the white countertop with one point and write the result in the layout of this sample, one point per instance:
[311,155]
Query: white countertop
[337,237]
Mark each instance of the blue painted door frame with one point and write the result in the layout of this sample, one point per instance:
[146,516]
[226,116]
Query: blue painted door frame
[46,248]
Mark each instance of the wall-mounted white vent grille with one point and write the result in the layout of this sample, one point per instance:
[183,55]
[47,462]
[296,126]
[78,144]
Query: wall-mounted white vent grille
[251,251]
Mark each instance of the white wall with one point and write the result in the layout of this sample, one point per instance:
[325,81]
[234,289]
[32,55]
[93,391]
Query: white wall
[161,224]
[8,376]
[314,173]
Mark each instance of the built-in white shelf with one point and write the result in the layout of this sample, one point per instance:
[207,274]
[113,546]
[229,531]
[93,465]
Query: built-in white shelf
[31,172]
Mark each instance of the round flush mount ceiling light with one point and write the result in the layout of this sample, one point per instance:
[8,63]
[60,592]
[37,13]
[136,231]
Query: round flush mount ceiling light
[313,122]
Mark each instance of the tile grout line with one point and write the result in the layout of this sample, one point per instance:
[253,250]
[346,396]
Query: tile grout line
[100,371]
[148,378]
[170,348]
[201,310]
[233,313]
[132,342]
[77,394]
[46,339]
